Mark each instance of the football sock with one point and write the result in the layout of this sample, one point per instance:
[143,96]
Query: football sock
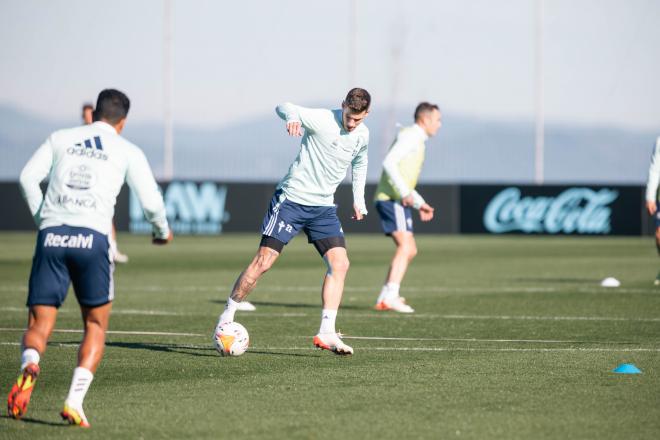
[328,318]
[383,294]
[392,291]
[82,379]
[29,356]
[230,311]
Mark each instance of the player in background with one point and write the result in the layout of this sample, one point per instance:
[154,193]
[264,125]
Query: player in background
[333,141]
[396,195]
[117,255]
[652,196]
[86,166]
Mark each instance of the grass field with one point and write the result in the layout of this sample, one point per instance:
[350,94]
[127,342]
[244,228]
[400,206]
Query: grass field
[512,338]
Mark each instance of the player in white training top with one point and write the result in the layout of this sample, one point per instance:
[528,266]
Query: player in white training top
[334,140]
[86,167]
[116,255]
[652,196]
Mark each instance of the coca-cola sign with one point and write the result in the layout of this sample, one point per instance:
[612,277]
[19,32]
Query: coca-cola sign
[529,209]
[575,210]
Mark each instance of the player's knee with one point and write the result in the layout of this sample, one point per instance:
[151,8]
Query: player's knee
[339,265]
[412,252]
[657,236]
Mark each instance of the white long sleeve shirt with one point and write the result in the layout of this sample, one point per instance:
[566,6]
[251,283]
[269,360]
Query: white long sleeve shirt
[87,167]
[654,174]
[326,152]
[402,166]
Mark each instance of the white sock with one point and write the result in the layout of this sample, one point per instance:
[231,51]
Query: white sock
[328,318]
[383,294]
[29,356]
[392,291]
[230,311]
[82,379]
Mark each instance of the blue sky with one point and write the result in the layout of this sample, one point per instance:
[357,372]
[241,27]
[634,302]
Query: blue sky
[236,60]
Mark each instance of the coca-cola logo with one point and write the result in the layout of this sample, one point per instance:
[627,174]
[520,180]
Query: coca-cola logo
[575,210]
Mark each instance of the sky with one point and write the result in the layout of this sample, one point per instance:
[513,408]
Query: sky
[232,61]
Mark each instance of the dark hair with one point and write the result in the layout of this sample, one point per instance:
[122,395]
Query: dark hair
[87,105]
[358,100]
[111,106]
[424,107]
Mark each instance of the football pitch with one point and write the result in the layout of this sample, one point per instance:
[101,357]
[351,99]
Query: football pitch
[512,338]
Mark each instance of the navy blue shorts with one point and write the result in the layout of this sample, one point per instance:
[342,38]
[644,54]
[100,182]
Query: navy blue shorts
[285,219]
[71,255]
[394,216]
[657,218]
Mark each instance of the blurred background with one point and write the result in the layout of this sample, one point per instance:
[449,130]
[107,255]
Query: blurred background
[532,91]
[215,71]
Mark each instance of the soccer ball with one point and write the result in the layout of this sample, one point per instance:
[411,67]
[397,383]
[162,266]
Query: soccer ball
[231,339]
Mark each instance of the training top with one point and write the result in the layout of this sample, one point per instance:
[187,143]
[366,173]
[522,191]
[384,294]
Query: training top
[654,174]
[326,152]
[402,166]
[86,167]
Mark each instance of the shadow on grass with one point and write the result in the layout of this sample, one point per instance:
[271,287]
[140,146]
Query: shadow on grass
[165,348]
[37,421]
[291,305]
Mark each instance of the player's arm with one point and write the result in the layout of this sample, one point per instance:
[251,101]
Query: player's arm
[298,117]
[141,180]
[397,153]
[34,172]
[653,180]
[359,177]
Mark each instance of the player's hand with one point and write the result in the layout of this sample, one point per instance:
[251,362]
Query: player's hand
[357,214]
[651,207]
[408,200]
[162,241]
[426,212]
[294,128]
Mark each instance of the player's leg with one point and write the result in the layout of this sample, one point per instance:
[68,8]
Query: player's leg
[48,285]
[268,252]
[324,230]
[336,260]
[91,350]
[41,321]
[396,221]
[92,277]
[657,245]
[406,250]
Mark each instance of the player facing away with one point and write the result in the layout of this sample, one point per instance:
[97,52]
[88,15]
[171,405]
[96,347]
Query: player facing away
[86,167]
[652,196]
[117,255]
[333,141]
[396,195]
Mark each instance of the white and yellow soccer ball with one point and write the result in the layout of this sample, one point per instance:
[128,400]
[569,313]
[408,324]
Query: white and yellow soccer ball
[231,339]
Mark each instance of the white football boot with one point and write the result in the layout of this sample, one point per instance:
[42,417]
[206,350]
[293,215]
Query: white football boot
[333,343]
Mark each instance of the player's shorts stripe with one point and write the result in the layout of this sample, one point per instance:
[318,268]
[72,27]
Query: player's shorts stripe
[273,219]
[400,217]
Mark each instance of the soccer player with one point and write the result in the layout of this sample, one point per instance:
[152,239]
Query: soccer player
[396,195]
[333,141]
[86,166]
[652,196]
[117,255]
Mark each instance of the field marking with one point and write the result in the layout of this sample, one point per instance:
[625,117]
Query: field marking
[413,289]
[111,332]
[419,349]
[531,341]
[350,314]
[369,338]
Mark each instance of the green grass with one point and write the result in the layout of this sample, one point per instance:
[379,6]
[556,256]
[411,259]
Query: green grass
[512,338]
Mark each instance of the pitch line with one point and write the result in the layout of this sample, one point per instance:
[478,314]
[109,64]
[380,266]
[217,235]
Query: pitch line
[349,314]
[358,289]
[531,341]
[111,332]
[403,349]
